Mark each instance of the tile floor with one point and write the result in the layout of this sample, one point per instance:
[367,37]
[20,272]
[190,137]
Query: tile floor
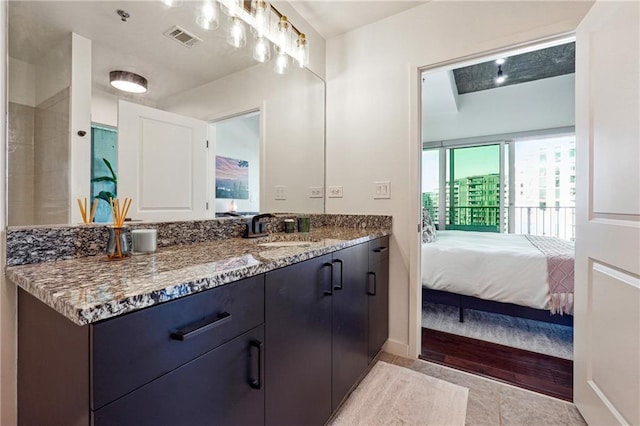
[494,403]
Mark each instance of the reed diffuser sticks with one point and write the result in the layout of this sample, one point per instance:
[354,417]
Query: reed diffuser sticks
[117,247]
[87,218]
[118,212]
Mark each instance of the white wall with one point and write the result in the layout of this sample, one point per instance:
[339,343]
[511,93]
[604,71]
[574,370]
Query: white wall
[104,105]
[53,71]
[292,127]
[239,138]
[80,120]
[372,114]
[540,104]
[22,76]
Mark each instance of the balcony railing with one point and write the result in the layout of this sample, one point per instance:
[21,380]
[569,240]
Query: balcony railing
[552,221]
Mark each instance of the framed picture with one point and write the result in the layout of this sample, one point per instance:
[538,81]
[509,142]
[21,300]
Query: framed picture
[232,178]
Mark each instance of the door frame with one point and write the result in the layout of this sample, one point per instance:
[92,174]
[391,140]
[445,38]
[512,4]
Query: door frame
[415,270]
[261,109]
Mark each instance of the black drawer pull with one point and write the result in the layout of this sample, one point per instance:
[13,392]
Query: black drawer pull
[381,249]
[257,383]
[330,291]
[201,326]
[338,287]
[372,279]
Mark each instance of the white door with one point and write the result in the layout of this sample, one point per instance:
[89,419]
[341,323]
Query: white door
[607,295]
[162,163]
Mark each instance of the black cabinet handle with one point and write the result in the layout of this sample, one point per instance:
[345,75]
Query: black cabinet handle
[201,326]
[372,279]
[338,287]
[257,383]
[330,291]
[381,249]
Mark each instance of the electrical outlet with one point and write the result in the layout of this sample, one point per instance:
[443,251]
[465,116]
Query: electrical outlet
[316,192]
[334,192]
[382,190]
[281,192]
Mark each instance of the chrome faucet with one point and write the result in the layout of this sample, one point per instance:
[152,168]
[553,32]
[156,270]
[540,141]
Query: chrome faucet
[256,228]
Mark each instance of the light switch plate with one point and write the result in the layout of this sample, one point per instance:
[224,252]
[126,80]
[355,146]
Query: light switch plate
[382,190]
[334,192]
[316,192]
[281,192]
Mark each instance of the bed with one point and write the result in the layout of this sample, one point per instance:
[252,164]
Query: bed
[519,275]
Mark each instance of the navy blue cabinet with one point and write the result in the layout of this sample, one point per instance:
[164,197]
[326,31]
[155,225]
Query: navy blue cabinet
[350,320]
[378,291]
[298,304]
[281,348]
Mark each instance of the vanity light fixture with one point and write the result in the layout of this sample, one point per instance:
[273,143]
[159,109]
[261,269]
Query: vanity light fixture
[209,16]
[501,77]
[261,12]
[237,36]
[262,50]
[277,32]
[302,51]
[282,61]
[283,34]
[172,3]
[128,81]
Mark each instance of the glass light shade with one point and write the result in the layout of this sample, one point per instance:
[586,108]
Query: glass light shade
[209,16]
[302,51]
[128,81]
[231,7]
[261,12]
[282,62]
[172,3]
[237,36]
[262,50]
[283,34]
[500,79]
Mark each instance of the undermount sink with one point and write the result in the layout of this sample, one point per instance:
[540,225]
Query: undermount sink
[286,244]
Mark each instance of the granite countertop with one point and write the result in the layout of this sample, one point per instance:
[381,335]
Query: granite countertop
[91,289]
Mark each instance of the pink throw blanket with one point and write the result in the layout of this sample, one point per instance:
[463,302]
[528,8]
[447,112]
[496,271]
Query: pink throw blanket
[560,255]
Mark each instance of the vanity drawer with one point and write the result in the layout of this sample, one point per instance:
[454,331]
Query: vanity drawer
[378,250]
[131,350]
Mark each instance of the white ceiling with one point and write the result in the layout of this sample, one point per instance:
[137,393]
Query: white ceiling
[138,45]
[334,17]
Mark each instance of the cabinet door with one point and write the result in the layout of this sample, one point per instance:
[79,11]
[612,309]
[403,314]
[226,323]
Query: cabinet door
[134,349]
[298,330]
[350,319]
[378,291]
[224,387]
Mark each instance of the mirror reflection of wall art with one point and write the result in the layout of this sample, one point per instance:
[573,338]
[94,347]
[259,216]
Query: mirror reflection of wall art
[232,178]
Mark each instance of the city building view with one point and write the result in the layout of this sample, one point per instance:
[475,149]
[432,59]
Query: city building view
[543,187]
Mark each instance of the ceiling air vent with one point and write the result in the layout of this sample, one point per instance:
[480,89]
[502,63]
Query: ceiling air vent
[182,36]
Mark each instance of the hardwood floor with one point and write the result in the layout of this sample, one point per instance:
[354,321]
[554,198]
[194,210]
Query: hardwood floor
[537,372]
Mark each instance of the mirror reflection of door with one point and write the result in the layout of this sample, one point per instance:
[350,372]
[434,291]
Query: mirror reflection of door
[162,160]
[236,166]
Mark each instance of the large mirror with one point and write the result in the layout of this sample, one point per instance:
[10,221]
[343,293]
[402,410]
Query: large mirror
[217,133]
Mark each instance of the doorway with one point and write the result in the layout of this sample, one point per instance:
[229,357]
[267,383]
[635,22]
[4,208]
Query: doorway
[482,121]
[237,165]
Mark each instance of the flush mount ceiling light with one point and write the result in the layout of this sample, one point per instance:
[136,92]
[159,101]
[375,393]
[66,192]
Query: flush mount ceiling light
[128,81]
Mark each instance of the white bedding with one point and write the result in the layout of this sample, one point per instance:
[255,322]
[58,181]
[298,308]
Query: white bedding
[499,267]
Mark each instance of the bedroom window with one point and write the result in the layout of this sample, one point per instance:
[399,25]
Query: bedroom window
[467,181]
[431,183]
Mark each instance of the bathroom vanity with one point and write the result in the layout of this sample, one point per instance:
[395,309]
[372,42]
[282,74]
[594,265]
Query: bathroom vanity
[229,331]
